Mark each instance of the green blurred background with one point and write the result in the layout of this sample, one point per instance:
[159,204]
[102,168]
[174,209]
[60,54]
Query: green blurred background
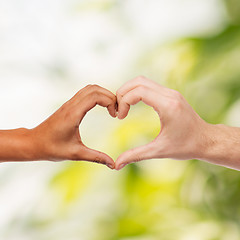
[51,49]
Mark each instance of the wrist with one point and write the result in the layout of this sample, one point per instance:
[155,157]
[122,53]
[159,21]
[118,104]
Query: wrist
[28,144]
[201,143]
[44,146]
[209,142]
[38,146]
[221,145]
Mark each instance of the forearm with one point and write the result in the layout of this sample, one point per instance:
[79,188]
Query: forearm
[17,145]
[222,146]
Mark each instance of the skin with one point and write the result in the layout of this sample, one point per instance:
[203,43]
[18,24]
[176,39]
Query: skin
[183,135]
[58,137]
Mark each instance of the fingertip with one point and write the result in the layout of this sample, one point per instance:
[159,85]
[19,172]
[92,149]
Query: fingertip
[119,167]
[98,157]
[119,164]
[108,161]
[112,111]
[123,110]
[113,114]
[110,165]
[122,115]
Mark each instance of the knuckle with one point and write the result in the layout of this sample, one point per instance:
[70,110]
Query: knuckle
[64,109]
[124,100]
[65,106]
[70,116]
[97,160]
[176,94]
[176,100]
[175,104]
[85,89]
[138,158]
[141,79]
[110,105]
[94,95]
[114,98]
[94,87]
[119,93]
[141,89]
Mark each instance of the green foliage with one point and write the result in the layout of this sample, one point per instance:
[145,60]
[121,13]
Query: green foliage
[168,200]
[185,199]
[233,8]
[71,181]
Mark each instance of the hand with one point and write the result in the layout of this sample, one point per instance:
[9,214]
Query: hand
[58,137]
[182,130]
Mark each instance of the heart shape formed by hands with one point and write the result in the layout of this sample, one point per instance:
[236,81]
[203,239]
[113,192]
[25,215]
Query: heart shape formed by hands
[58,137]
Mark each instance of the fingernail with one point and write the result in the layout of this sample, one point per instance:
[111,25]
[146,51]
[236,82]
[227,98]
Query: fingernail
[122,166]
[110,165]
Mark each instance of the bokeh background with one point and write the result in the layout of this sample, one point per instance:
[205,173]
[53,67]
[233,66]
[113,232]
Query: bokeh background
[49,49]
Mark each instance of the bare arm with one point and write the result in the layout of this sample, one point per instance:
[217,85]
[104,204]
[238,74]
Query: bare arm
[184,135]
[58,137]
[222,146]
[16,145]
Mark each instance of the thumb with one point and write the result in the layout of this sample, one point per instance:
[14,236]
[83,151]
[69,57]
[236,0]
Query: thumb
[135,155]
[92,155]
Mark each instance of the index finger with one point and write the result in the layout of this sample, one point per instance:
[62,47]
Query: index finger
[136,82]
[141,93]
[95,98]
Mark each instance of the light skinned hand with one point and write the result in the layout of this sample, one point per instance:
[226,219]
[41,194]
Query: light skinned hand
[182,130]
[58,137]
